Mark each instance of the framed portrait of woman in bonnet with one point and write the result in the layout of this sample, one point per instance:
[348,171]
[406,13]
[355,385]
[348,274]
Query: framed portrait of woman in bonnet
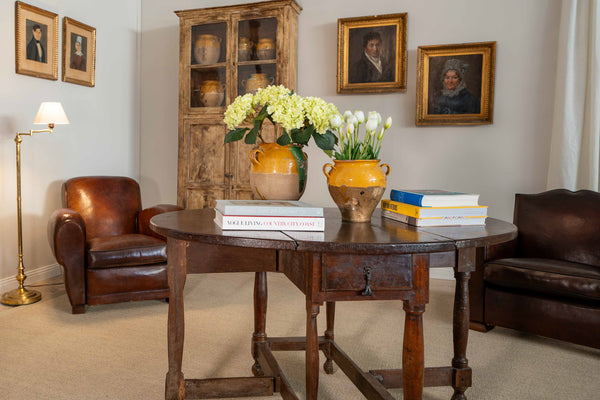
[79,53]
[455,84]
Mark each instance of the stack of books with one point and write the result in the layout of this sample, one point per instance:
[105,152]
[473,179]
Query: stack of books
[268,215]
[434,208]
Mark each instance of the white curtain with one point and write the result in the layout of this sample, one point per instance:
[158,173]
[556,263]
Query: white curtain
[575,145]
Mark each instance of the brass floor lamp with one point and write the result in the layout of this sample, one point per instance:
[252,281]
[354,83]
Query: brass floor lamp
[50,113]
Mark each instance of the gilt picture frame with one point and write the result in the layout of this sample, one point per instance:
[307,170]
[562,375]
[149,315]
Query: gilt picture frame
[36,42]
[372,54]
[455,84]
[79,53]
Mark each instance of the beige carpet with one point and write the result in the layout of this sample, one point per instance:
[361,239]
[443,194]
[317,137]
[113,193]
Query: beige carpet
[119,352]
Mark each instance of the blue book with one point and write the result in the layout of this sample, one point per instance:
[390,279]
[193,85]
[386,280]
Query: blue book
[434,198]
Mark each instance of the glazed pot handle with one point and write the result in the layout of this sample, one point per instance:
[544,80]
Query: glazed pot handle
[389,169]
[325,169]
[254,156]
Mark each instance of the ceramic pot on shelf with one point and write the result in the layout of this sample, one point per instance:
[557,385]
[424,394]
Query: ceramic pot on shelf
[356,187]
[265,49]
[207,49]
[212,93]
[257,81]
[278,172]
[244,48]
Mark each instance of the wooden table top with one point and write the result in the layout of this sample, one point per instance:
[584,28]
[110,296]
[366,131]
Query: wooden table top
[381,236]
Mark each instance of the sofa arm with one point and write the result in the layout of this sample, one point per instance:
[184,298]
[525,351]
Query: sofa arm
[502,250]
[66,234]
[477,285]
[147,213]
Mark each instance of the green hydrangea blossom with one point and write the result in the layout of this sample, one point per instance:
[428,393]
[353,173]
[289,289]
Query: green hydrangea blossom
[239,110]
[300,118]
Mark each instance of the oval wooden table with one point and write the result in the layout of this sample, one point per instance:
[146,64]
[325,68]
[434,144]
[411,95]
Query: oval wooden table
[381,260]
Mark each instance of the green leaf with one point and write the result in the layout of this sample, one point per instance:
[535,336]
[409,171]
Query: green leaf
[302,136]
[235,135]
[354,155]
[258,121]
[325,141]
[330,132]
[251,136]
[284,139]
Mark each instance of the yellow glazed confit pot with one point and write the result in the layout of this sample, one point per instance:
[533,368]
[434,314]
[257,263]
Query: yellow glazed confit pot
[278,172]
[356,187]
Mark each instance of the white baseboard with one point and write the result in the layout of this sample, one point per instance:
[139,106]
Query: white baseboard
[33,276]
[442,273]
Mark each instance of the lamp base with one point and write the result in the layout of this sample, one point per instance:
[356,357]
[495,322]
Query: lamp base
[20,297]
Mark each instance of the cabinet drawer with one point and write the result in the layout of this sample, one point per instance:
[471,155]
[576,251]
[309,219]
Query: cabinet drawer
[350,272]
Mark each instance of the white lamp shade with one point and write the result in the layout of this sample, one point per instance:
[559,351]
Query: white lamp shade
[51,112]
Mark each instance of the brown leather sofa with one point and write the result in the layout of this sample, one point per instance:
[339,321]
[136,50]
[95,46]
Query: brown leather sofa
[103,241]
[547,281]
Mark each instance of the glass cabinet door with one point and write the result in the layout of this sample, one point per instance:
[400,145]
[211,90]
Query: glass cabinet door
[208,70]
[256,54]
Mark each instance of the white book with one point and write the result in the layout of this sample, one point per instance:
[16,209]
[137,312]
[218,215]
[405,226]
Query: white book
[443,221]
[280,208]
[269,223]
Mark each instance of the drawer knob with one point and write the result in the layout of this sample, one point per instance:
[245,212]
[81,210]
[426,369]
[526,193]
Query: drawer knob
[368,272]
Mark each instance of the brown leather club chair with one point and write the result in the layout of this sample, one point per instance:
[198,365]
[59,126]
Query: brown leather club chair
[547,281]
[104,243]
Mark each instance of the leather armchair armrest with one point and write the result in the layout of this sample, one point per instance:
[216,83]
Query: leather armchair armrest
[477,285]
[146,214]
[66,235]
[502,250]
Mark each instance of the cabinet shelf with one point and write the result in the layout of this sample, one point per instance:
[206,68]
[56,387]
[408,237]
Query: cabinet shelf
[208,66]
[257,62]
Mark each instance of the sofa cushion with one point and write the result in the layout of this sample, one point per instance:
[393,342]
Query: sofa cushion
[547,276]
[125,250]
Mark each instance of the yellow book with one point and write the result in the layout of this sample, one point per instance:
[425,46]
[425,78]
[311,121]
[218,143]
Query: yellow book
[433,212]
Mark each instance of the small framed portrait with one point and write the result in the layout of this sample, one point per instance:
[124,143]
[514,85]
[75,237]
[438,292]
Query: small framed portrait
[79,53]
[372,54]
[455,84]
[36,42]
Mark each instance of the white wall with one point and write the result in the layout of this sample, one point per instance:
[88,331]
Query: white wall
[103,137]
[497,160]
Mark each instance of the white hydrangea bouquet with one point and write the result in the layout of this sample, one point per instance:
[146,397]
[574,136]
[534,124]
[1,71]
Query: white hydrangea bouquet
[351,145]
[300,117]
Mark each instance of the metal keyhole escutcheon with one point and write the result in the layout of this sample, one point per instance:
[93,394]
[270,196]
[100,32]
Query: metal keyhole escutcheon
[368,272]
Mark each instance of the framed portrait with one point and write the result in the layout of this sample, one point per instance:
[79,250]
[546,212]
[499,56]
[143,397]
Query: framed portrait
[79,53]
[372,54]
[455,84]
[36,42]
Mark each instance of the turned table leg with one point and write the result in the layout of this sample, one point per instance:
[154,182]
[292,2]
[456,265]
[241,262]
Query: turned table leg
[330,313]
[413,352]
[460,333]
[176,274]
[312,351]
[260,318]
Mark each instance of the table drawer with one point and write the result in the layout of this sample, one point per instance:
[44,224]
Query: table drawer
[352,272]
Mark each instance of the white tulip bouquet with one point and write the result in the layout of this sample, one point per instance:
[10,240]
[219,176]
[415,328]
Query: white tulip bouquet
[350,145]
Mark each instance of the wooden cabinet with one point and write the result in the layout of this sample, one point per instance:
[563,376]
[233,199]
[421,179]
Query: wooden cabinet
[225,52]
